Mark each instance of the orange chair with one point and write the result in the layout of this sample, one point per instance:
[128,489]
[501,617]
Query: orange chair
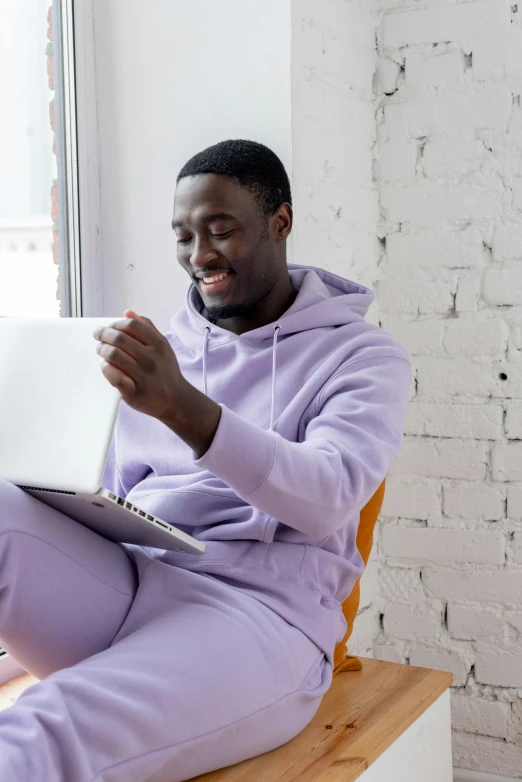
[369,515]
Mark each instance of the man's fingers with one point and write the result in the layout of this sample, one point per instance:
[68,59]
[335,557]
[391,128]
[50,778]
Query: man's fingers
[133,314]
[119,359]
[125,385]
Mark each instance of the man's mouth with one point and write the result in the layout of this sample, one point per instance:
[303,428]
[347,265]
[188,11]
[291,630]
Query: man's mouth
[216,283]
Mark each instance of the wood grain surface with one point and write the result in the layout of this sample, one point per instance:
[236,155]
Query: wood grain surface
[359,717]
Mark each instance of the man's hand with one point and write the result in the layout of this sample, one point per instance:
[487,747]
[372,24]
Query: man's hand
[141,364]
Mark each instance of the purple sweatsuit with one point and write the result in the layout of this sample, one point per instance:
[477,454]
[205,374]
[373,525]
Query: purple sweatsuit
[162,665]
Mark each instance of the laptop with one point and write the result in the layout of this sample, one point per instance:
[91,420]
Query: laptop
[57,417]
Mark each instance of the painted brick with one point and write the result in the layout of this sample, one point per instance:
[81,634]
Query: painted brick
[365,628]
[412,119]
[514,420]
[487,108]
[460,23]
[370,581]
[507,242]
[411,501]
[424,544]
[435,70]
[485,754]
[398,583]
[422,292]
[474,377]
[469,336]
[477,715]
[468,623]
[436,249]
[497,586]
[417,622]
[513,619]
[506,462]
[498,57]
[514,502]
[452,219]
[499,670]
[509,372]
[503,286]
[397,160]
[441,660]
[442,459]
[454,420]
[517,193]
[445,458]
[517,718]
[426,202]
[387,75]
[388,652]
[517,549]
[418,337]
[473,501]
[468,292]
[452,157]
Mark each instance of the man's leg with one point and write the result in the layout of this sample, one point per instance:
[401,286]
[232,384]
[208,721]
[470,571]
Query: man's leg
[199,677]
[64,590]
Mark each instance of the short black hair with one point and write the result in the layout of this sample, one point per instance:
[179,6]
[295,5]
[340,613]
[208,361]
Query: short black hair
[254,166]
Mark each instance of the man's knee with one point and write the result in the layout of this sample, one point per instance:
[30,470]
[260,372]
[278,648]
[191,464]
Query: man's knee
[15,507]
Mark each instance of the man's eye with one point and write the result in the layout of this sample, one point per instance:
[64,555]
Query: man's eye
[183,240]
[222,236]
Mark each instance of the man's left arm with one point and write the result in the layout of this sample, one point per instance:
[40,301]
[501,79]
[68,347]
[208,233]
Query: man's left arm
[349,446]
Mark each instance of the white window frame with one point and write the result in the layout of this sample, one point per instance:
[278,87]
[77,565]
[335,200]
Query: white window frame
[76,120]
[77,147]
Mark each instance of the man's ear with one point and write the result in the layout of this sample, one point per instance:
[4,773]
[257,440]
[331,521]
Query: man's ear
[282,220]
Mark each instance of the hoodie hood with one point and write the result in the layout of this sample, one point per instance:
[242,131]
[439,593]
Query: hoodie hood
[323,299]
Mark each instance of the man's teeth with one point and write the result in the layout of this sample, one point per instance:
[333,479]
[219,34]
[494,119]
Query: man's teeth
[216,278]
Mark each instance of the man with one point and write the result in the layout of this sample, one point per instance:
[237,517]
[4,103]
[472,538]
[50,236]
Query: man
[261,423]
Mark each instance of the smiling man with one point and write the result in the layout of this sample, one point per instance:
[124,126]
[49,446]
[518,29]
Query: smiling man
[261,423]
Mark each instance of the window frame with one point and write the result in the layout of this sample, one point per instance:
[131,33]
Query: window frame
[77,158]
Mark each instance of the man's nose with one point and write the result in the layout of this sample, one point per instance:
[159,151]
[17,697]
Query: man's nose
[202,254]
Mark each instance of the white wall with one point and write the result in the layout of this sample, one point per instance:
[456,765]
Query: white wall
[333,133]
[450,169]
[173,77]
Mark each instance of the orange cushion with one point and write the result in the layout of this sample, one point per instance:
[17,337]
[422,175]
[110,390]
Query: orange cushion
[368,519]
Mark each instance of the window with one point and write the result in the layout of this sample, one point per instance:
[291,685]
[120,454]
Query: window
[40,163]
[28,197]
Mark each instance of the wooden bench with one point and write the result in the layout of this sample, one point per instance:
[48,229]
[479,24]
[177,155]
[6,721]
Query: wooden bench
[386,723]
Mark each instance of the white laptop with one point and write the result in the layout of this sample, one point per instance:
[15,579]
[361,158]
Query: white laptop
[57,415]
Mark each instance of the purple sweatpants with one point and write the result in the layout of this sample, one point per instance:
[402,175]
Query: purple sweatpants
[149,671]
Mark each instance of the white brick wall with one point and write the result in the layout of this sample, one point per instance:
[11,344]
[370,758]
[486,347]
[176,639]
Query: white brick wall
[449,171]
[336,201]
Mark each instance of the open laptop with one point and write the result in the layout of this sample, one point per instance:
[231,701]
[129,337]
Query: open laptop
[57,416]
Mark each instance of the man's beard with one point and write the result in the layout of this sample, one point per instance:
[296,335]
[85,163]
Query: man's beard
[225,312]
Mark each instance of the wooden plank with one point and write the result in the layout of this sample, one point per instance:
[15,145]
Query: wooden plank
[10,692]
[359,718]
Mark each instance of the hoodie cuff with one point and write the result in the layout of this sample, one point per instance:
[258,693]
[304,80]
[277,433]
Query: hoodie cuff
[241,454]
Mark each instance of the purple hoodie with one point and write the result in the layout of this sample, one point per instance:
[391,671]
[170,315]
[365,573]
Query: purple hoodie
[312,418]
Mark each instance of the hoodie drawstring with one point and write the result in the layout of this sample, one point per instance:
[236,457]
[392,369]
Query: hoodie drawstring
[277,329]
[205,343]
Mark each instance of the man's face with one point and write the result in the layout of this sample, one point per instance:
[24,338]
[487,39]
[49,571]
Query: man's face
[221,229]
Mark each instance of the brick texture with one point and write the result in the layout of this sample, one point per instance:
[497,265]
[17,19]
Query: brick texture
[449,172]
